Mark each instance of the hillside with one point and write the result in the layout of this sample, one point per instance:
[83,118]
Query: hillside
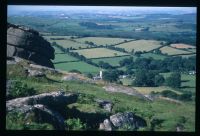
[88,101]
[86,70]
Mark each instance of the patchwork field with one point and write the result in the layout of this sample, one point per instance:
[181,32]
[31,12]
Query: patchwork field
[172,51]
[69,44]
[99,53]
[80,66]
[140,45]
[154,56]
[102,40]
[182,46]
[60,56]
[114,61]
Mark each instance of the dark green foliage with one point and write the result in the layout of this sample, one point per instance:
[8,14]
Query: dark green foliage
[126,61]
[174,80]
[168,93]
[89,75]
[74,124]
[19,89]
[159,80]
[86,99]
[186,96]
[156,123]
[104,65]
[110,75]
[144,78]
[17,121]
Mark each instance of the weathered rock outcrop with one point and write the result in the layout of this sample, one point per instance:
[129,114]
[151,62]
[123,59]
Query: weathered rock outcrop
[107,105]
[28,44]
[46,107]
[121,119]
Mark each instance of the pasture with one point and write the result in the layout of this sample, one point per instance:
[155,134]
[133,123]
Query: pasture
[154,56]
[113,61]
[70,44]
[182,46]
[102,40]
[99,53]
[60,56]
[140,45]
[80,66]
[188,82]
[172,51]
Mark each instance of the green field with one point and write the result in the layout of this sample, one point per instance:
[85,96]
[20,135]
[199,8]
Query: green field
[60,57]
[140,45]
[188,81]
[172,51]
[69,44]
[80,66]
[114,61]
[99,53]
[102,40]
[154,56]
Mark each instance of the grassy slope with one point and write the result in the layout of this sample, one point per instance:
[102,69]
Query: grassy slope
[160,109]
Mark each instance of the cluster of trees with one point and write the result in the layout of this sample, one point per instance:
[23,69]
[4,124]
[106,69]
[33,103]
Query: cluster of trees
[151,78]
[112,75]
[148,78]
[92,25]
[105,65]
[170,64]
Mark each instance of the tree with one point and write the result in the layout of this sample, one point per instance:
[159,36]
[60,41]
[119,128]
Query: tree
[140,78]
[159,80]
[150,77]
[111,75]
[174,80]
[89,75]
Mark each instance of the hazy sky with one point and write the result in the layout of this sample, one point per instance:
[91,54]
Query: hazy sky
[59,8]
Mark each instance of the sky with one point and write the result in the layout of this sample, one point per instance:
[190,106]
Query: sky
[18,8]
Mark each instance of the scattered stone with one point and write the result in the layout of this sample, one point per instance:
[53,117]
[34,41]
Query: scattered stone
[45,107]
[107,105]
[120,119]
[53,99]
[35,73]
[106,125]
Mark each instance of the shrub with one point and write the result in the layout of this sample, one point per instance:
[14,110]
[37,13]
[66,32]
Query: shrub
[20,89]
[74,124]
[16,121]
